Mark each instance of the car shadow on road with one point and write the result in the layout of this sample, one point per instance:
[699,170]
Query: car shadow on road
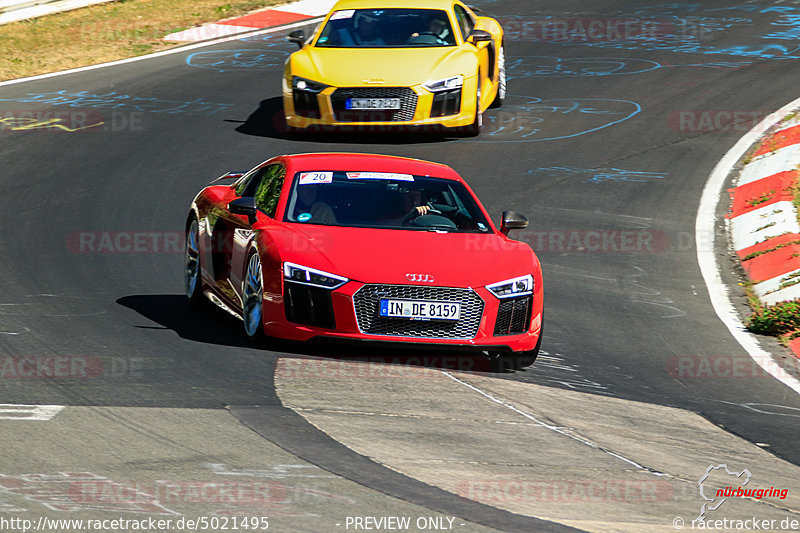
[268,121]
[210,325]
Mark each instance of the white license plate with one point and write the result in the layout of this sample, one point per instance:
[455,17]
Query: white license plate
[373,103]
[420,309]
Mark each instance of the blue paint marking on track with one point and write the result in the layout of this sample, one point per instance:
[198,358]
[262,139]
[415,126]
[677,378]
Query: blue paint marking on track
[273,40]
[532,119]
[679,27]
[118,101]
[226,60]
[586,67]
[601,175]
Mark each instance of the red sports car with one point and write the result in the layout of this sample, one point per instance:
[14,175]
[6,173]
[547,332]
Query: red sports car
[366,248]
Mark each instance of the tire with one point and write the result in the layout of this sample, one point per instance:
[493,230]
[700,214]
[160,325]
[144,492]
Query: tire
[191,264]
[293,131]
[501,81]
[289,131]
[474,129]
[252,299]
[522,360]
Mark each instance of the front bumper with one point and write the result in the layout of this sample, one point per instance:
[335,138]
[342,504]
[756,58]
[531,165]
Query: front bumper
[420,108]
[484,326]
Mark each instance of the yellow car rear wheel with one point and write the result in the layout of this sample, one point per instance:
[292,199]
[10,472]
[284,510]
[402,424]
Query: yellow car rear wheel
[501,79]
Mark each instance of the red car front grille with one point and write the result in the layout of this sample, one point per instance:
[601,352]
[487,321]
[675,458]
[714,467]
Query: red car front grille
[367,301]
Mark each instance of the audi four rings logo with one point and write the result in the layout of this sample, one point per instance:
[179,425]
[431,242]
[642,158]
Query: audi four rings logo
[420,278]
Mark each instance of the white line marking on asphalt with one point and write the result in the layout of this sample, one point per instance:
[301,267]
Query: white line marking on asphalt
[704,240]
[9,411]
[557,429]
[178,50]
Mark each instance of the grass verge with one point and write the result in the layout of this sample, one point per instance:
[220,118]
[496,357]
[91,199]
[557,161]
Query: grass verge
[781,320]
[106,32]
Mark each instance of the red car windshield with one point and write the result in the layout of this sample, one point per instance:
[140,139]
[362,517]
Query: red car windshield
[387,28]
[383,200]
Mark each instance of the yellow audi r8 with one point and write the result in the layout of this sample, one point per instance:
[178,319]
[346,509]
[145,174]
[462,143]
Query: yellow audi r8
[382,63]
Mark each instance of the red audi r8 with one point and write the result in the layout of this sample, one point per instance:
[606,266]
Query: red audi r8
[366,248]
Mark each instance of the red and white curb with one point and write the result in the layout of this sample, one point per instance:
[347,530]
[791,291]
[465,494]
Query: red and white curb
[763,220]
[267,18]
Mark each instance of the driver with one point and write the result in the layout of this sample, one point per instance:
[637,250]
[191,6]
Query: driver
[437,27]
[366,26]
[412,200]
[404,206]
[307,204]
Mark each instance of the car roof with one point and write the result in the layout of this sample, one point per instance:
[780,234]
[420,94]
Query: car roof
[409,4]
[369,162]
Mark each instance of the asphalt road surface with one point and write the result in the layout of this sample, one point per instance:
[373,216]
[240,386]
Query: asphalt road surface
[604,142]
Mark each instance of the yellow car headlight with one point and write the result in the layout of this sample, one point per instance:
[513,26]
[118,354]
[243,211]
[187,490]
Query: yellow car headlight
[302,84]
[445,84]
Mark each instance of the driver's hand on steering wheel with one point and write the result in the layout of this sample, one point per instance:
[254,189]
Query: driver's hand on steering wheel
[422,209]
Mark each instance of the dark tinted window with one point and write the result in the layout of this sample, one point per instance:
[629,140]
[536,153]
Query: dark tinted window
[247,185]
[384,28]
[383,200]
[268,189]
[465,20]
[264,184]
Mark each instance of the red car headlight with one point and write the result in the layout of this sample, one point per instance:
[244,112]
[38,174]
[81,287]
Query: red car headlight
[311,276]
[512,288]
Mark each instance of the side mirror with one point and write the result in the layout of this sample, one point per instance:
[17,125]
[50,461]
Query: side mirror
[244,206]
[479,36]
[298,37]
[512,220]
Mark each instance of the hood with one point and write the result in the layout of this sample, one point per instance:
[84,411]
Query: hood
[391,256]
[352,67]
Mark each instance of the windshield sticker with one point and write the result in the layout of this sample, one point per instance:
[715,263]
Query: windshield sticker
[379,176]
[308,178]
[304,217]
[346,14]
[481,226]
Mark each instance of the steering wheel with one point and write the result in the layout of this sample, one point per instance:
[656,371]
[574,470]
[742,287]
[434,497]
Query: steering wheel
[414,214]
[439,40]
[432,209]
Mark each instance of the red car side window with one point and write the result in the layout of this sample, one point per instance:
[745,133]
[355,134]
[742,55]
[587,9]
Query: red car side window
[268,190]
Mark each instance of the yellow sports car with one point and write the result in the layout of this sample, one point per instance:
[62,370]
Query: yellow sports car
[378,63]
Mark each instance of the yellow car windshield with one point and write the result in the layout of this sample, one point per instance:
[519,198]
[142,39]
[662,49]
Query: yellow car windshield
[387,28]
